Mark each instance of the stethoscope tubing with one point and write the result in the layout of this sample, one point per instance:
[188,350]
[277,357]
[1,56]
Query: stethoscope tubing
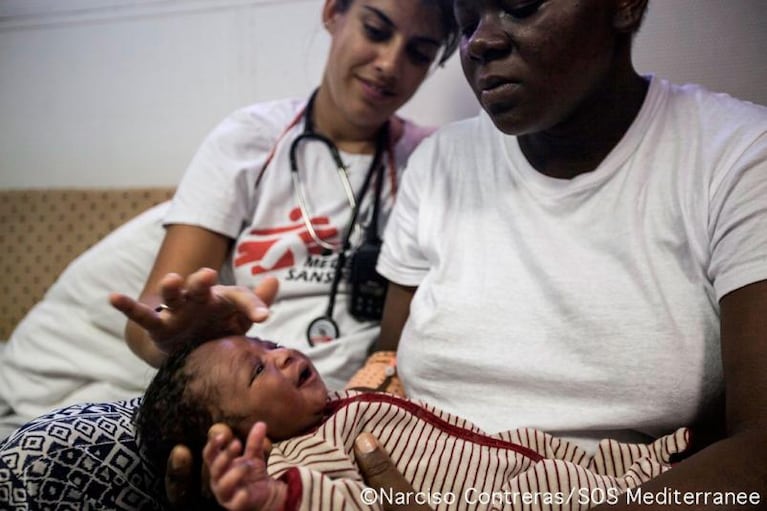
[343,176]
[355,201]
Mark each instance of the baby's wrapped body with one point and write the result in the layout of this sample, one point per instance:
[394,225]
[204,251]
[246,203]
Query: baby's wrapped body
[454,465]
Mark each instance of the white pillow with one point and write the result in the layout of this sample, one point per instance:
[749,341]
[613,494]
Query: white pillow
[70,346]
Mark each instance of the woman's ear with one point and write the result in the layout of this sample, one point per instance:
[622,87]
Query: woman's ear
[329,11]
[628,15]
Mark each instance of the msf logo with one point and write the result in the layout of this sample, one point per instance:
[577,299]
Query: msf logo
[283,247]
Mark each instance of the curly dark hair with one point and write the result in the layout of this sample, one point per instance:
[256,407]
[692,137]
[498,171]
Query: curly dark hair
[172,413]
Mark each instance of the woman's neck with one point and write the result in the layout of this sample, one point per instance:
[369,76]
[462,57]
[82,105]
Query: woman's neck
[581,143]
[348,136]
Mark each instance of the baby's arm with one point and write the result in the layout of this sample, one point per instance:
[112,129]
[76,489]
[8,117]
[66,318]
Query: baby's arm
[238,479]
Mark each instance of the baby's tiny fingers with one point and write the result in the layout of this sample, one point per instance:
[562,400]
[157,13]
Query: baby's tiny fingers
[233,479]
[256,443]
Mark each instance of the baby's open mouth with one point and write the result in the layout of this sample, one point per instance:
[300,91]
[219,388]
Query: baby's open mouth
[304,375]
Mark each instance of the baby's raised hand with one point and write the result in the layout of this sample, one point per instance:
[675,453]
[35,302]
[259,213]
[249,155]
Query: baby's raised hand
[238,478]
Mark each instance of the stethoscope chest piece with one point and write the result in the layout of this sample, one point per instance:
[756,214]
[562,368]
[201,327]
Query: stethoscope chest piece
[322,330]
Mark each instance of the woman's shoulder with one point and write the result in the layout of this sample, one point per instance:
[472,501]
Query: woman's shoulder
[409,134]
[263,120]
[453,134]
[722,132]
[711,110]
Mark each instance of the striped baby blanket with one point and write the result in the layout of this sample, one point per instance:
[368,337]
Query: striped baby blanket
[452,464]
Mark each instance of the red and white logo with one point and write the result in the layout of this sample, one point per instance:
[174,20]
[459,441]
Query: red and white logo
[283,247]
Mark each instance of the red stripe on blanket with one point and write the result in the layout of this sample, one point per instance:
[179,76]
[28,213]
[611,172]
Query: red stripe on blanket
[295,489]
[434,420]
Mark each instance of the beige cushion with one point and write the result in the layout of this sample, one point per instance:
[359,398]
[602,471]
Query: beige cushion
[41,231]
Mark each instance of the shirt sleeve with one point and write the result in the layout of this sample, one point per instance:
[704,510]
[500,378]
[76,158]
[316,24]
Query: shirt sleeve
[738,220]
[402,259]
[217,191]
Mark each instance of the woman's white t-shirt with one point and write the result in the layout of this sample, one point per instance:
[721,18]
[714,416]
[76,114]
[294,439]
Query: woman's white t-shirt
[585,307]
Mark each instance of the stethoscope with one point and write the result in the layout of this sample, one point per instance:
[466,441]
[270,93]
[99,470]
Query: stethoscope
[324,328]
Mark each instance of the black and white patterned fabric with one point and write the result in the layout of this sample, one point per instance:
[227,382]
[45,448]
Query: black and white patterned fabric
[82,457]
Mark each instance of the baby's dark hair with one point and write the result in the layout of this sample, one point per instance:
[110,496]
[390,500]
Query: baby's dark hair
[169,415]
[174,412]
[447,18]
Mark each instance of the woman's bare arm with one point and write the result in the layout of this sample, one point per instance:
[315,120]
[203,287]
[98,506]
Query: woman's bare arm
[736,463]
[395,314]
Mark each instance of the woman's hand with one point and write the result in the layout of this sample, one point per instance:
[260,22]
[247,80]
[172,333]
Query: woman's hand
[180,490]
[379,471]
[198,308]
[238,478]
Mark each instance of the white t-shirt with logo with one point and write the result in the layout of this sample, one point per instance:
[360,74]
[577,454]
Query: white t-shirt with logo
[226,189]
[585,307]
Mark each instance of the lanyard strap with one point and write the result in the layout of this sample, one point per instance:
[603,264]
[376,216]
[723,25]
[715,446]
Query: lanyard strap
[371,232]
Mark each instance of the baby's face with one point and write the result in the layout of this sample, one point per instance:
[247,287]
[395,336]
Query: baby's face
[261,381]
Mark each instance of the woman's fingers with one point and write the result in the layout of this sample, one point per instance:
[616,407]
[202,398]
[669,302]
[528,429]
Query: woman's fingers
[253,305]
[267,289]
[179,479]
[172,292]
[198,308]
[199,284]
[202,288]
[379,471]
[136,311]
[243,301]
[377,468]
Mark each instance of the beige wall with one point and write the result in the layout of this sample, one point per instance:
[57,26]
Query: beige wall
[122,93]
